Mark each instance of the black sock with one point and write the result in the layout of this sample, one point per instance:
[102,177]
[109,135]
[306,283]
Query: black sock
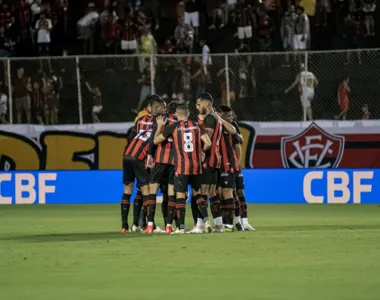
[164,208]
[151,208]
[202,206]
[137,205]
[171,209]
[243,207]
[229,206]
[194,209]
[215,207]
[237,205]
[124,209]
[181,212]
[144,212]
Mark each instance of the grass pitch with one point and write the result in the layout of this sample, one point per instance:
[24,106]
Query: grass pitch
[298,252]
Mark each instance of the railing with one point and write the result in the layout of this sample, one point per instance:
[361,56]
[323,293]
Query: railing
[253,84]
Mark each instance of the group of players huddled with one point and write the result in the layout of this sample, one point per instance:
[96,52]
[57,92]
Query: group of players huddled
[169,150]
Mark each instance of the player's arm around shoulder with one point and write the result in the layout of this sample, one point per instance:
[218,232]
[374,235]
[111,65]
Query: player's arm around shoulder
[160,136]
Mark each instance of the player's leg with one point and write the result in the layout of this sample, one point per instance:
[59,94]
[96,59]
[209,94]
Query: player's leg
[157,175]
[243,202]
[238,225]
[171,202]
[215,203]
[137,205]
[180,186]
[201,200]
[165,202]
[194,210]
[142,176]
[228,181]
[128,181]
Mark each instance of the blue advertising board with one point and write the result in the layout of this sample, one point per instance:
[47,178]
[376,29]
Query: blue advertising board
[261,186]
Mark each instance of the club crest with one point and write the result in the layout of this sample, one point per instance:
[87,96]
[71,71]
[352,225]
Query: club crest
[312,148]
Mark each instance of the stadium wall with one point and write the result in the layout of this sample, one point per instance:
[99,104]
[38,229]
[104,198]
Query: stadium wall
[295,162]
[323,144]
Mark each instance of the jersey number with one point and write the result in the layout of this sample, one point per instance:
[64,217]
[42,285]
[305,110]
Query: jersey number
[188,138]
[310,82]
[143,135]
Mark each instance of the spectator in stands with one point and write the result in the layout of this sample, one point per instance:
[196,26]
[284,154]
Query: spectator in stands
[301,31]
[245,20]
[146,81]
[142,21]
[6,44]
[343,98]
[167,71]
[109,29]
[366,113]
[183,35]
[97,102]
[265,27]
[223,85]
[192,14]
[6,17]
[51,99]
[287,30]
[3,103]
[368,8]
[353,33]
[147,46]
[206,58]
[21,89]
[129,33]
[39,109]
[203,79]
[43,27]
[86,28]
[323,7]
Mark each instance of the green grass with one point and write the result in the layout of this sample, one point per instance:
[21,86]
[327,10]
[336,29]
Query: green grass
[298,252]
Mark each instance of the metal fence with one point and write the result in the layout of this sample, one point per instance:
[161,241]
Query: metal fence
[253,84]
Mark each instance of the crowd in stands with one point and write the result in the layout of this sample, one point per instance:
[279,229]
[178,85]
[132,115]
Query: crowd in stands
[63,27]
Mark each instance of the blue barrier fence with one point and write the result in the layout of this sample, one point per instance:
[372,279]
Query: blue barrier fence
[261,186]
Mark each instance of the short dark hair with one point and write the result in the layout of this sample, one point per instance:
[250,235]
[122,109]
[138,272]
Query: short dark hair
[206,96]
[172,106]
[224,108]
[300,8]
[182,108]
[155,99]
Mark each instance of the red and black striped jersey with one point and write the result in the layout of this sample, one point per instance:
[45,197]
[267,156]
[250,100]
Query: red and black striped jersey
[164,152]
[230,161]
[187,145]
[138,146]
[213,156]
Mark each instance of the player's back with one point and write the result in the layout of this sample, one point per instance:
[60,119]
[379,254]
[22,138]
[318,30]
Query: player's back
[230,162]
[307,80]
[164,152]
[138,147]
[213,156]
[187,148]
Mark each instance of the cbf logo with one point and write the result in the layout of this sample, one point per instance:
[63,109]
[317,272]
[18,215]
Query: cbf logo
[312,148]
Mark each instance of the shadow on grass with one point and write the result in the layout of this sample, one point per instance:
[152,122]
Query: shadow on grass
[93,236]
[76,237]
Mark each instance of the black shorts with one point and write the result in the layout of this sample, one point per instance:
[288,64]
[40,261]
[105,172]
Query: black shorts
[210,176]
[162,174]
[134,169]
[182,181]
[240,181]
[228,180]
